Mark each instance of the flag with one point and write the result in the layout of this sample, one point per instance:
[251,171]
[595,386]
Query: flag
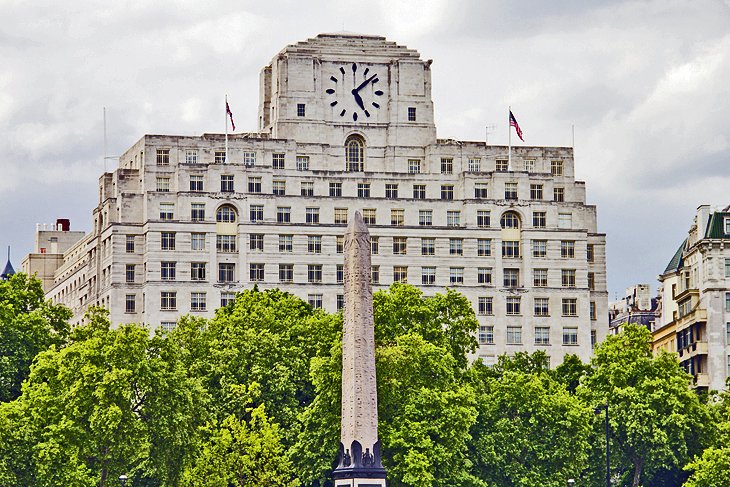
[513,123]
[230,115]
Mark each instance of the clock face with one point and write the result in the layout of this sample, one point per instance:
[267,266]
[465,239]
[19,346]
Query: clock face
[353,92]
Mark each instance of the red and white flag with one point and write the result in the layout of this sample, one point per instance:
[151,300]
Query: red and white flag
[513,123]
[230,115]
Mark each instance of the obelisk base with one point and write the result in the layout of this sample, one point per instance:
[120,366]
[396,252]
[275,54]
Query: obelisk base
[359,469]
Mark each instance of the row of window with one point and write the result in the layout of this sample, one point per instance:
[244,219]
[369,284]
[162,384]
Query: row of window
[541,306]
[514,335]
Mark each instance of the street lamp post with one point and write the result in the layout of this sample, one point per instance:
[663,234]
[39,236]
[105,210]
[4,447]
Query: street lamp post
[123,480]
[571,482]
[604,407]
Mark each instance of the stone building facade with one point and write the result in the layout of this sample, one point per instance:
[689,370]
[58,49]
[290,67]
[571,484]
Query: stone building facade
[346,123]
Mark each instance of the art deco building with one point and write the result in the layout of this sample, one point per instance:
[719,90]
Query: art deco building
[695,292]
[346,122]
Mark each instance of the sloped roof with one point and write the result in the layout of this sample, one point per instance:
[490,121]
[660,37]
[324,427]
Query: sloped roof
[676,263]
[716,225]
[9,271]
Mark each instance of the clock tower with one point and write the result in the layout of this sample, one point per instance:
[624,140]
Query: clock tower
[325,89]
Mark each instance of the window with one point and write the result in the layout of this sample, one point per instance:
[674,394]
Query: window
[570,307]
[400,274]
[374,241]
[191,156]
[363,190]
[559,194]
[277,161]
[227,298]
[278,187]
[301,110]
[197,212]
[475,164]
[567,249]
[167,271]
[256,213]
[130,244]
[425,218]
[283,214]
[254,184]
[727,226]
[502,165]
[590,256]
[428,246]
[542,335]
[340,275]
[570,336]
[368,216]
[375,274]
[542,307]
[510,191]
[399,245]
[397,217]
[510,248]
[556,168]
[335,190]
[529,165]
[315,300]
[306,188]
[314,244]
[539,248]
[163,157]
[486,334]
[168,300]
[411,114]
[225,214]
[286,272]
[538,219]
[511,277]
[163,184]
[167,241]
[453,218]
[447,191]
[540,277]
[447,165]
[510,219]
[302,163]
[727,302]
[456,275]
[565,220]
[481,190]
[312,215]
[168,326]
[419,191]
[484,275]
[414,166]
[536,191]
[226,183]
[514,335]
[197,301]
[225,243]
[285,243]
[167,211]
[256,272]
[341,216]
[219,156]
[249,158]
[196,183]
[314,273]
[592,310]
[484,247]
[484,305]
[197,241]
[226,272]
[483,218]
[354,154]
[256,242]
[568,277]
[592,281]
[391,190]
[129,273]
[513,305]
[428,275]
[197,271]
[456,246]
[340,302]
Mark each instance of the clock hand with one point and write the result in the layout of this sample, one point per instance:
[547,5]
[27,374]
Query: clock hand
[364,83]
[358,99]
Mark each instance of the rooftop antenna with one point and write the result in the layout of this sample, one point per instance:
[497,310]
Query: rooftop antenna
[489,128]
[572,135]
[105,156]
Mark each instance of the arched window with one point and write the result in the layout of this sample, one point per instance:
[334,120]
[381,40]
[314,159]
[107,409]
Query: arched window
[354,154]
[510,219]
[225,214]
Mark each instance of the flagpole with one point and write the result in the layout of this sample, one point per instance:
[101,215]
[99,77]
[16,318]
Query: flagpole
[226,115]
[509,139]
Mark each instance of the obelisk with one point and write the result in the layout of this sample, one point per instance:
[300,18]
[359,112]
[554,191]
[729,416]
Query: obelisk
[359,461]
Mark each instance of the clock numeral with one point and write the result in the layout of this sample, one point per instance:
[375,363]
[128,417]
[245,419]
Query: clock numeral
[333,103]
[342,113]
[354,116]
[378,93]
[376,105]
[342,70]
[354,67]
[365,73]
[367,113]
[333,79]
[330,91]
[376,80]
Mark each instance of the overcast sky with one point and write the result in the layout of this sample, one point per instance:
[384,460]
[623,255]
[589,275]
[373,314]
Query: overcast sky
[645,83]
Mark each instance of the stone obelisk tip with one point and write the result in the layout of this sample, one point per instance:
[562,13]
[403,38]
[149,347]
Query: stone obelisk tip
[357,225]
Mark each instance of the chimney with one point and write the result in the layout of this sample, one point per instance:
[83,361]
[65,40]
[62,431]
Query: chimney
[63,224]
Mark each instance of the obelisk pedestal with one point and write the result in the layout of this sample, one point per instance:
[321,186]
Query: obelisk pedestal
[359,460]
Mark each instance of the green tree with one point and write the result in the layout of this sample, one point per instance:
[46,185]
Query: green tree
[28,325]
[711,469]
[656,420]
[571,371]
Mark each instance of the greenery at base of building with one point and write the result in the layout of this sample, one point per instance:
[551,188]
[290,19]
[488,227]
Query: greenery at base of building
[252,397]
